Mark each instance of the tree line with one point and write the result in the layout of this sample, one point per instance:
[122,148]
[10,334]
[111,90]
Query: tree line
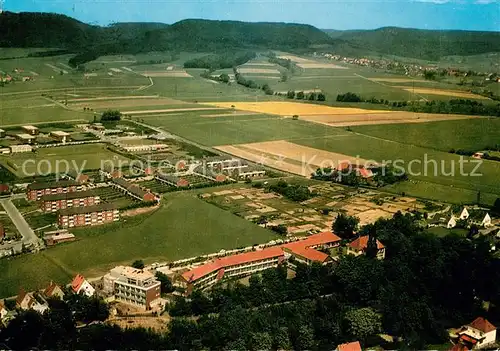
[214,62]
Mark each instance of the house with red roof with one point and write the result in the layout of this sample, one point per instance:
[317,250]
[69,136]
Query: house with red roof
[350,346]
[81,286]
[53,291]
[305,251]
[360,244]
[477,334]
[31,301]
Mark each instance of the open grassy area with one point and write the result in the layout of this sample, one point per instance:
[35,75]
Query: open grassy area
[45,161]
[183,227]
[468,134]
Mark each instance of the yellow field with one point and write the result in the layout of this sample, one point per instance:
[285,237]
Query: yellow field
[283,108]
[290,157]
[453,93]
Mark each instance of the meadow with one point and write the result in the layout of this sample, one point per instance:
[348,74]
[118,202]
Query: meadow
[45,161]
[470,134]
[183,227]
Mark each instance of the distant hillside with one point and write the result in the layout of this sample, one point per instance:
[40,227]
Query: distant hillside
[422,44]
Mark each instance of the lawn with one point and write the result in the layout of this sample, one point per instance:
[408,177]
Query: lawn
[25,113]
[183,227]
[469,134]
[441,231]
[60,159]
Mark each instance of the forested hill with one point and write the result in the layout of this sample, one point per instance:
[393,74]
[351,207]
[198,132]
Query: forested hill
[53,30]
[421,44]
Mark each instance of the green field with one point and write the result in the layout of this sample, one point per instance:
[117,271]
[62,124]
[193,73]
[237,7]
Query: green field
[185,226]
[45,161]
[470,134]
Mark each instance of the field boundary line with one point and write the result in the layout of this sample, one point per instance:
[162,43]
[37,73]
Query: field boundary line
[386,85]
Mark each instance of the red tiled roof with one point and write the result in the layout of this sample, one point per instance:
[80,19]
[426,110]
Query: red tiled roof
[361,243]
[300,247]
[77,282]
[50,289]
[459,347]
[351,346]
[309,254]
[365,173]
[468,338]
[20,297]
[482,324]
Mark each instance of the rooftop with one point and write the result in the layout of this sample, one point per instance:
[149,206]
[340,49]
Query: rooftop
[361,243]
[482,324]
[350,346]
[25,136]
[60,133]
[133,273]
[52,185]
[77,282]
[68,196]
[88,209]
[30,127]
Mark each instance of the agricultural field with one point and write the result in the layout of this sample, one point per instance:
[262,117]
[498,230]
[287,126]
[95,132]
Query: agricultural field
[471,134]
[60,159]
[183,227]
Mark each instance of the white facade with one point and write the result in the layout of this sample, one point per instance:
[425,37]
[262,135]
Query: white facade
[464,214]
[21,148]
[452,223]
[86,289]
[486,222]
[482,337]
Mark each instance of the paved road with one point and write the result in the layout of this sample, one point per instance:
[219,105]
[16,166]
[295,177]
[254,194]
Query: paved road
[29,236]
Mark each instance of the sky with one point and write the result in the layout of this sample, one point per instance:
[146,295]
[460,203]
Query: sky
[324,14]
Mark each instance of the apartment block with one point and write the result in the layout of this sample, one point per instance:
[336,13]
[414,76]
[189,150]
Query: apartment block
[134,286]
[55,202]
[36,190]
[88,216]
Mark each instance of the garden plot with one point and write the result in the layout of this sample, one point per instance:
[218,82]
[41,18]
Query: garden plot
[115,196]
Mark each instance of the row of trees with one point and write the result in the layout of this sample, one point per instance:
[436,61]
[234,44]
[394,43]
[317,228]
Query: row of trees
[303,96]
[214,62]
[294,192]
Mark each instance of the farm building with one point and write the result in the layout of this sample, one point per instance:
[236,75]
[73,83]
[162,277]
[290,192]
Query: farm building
[254,261]
[121,280]
[4,150]
[35,191]
[31,130]
[55,202]
[60,136]
[2,133]
[20,148]
[360,244]
[88,216]
[134,190]
[222,163]
[26,138]
[58,236]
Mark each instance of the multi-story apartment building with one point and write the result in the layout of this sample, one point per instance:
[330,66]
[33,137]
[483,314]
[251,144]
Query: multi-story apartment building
[133,286]
[55,202]
[36,190]
[88,216]
[305,251]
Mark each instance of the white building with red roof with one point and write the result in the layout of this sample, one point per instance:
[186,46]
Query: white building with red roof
[53,290]
[478,334]
[360,244]
[81,286]
[304,251]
